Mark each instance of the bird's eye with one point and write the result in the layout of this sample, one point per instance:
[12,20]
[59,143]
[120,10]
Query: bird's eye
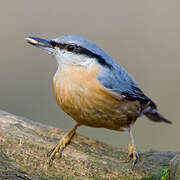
[70,47]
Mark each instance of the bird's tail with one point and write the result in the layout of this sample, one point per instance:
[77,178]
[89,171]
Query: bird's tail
[155,116]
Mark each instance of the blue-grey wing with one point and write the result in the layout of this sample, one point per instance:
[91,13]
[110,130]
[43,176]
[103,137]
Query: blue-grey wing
[119,81]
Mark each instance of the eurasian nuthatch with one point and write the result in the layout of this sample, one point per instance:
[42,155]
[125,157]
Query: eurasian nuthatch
[95,90]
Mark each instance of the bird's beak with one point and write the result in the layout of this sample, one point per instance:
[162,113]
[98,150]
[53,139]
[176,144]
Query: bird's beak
[41,43]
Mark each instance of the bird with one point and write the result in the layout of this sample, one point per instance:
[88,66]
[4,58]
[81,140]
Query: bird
[95,90]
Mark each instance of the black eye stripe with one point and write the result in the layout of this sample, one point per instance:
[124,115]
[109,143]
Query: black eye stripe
[99,58]
[80,50]
[53,43]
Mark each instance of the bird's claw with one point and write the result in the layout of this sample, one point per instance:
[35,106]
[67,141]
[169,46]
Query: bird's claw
[52,153]
[134,162]
[135,156]
[61,145]
[132,154]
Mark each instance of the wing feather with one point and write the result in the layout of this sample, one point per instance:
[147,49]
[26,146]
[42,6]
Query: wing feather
[119,81]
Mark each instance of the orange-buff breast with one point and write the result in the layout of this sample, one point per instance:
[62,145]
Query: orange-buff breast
[79,94]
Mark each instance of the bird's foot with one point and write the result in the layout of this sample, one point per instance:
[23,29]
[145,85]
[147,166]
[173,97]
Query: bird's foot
[133,154]
[58,148]
[61,145]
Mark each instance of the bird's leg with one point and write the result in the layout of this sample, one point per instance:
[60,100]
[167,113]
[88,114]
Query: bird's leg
[131,149]
[62,144]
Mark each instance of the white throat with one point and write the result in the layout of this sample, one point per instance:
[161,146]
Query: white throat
[64,57]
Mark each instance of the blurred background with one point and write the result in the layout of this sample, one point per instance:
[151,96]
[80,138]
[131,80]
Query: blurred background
[143,36]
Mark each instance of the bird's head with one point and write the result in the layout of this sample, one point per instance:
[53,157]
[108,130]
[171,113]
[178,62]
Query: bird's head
[73,50]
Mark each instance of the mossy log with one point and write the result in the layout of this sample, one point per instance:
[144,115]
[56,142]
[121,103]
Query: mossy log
[23,155]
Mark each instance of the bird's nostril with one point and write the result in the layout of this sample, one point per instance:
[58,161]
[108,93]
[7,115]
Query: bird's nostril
[53,43]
